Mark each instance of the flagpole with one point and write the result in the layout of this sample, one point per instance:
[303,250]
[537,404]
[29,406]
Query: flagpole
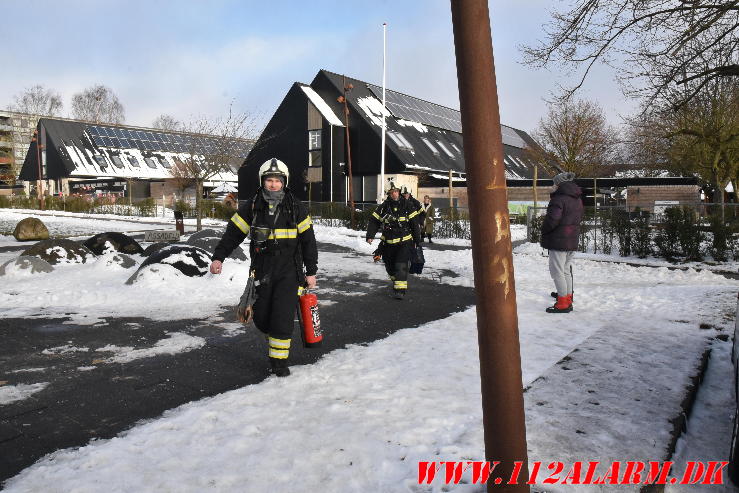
[381,188]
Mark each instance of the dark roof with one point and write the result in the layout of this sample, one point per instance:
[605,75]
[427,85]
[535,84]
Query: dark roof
[424,135]
[78,148]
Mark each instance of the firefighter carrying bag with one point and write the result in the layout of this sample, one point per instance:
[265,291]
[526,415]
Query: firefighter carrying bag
[417,260]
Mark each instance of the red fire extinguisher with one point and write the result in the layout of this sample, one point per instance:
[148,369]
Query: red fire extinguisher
[310,322]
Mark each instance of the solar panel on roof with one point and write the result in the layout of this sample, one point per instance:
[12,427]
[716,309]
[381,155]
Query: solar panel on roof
[98,140]
[414,109]
[115,142]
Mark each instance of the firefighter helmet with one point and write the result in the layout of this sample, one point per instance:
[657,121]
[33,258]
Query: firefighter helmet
[273,167]
[392,187]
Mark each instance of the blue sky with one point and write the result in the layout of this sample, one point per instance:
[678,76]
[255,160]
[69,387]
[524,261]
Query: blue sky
[193,57]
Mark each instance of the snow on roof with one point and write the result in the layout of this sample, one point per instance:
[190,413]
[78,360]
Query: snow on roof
[408,123]
[373,109]
[446,177]
[321,106]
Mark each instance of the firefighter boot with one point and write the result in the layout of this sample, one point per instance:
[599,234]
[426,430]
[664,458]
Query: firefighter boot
[279,367]
[562,305]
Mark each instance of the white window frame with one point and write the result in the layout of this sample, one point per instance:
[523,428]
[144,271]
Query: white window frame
[314,137]
[430,145]
[400,140]
[444,148]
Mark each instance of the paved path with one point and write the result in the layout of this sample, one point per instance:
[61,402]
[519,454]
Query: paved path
[79,405]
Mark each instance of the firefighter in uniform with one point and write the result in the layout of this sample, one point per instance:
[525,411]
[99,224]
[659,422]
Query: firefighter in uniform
[418,212]
[282,242]
[400,233]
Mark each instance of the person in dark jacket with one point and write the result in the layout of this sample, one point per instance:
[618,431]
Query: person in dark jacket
[417,211]
[400,233]
[560,234]
[282,243]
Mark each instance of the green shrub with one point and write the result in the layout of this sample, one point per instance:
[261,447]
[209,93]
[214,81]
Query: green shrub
[606,236]
[622,228]
[722,241]
[641,237]
[148,206]
[690,235]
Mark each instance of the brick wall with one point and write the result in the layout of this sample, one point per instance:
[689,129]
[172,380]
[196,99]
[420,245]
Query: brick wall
[440,196]
[644,196]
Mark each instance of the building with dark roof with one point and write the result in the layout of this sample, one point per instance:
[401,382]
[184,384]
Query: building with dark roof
[308,131]
[78,154]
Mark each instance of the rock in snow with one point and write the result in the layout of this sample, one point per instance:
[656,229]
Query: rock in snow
[25,264]
[121,243]
[60,251]
[189,260]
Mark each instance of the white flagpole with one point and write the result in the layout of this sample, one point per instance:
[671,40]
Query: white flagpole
[381,188]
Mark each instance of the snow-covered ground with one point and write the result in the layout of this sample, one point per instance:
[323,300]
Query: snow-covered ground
[362,417]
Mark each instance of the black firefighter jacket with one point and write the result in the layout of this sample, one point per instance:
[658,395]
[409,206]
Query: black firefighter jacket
[285,231]
[397,218]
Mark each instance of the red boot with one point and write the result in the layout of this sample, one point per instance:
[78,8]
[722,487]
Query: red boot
[563,305]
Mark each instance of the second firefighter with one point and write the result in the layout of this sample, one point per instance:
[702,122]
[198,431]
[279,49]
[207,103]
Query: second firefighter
[399,235]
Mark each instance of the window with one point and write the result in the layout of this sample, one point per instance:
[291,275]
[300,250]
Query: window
[150,162]
[430,145]
[314,140]
[102,162]
[134,162]
[405,141]
[456,148]
[400,141]
[314,159]
[163,161]
[444,148]
[117,161]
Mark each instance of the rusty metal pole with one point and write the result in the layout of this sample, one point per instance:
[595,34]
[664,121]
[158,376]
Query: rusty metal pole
[497,321]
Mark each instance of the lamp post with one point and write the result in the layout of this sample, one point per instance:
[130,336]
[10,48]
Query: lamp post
[342,99]
[39,185]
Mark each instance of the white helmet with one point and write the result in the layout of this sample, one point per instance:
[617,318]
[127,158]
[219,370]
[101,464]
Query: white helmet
[273,167]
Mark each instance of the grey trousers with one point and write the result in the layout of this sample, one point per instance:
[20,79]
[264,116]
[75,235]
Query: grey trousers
[559,269]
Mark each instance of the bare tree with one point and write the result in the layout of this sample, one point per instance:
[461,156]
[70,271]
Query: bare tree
[574,136]
[700,137]
[38,100]
[167,122]
[654,44]
[214,146]
[98,104]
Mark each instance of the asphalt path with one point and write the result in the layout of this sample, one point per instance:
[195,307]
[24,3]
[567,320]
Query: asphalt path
[82,403]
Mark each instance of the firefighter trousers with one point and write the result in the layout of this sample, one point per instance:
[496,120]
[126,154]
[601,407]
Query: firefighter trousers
[396,258]
[277,296]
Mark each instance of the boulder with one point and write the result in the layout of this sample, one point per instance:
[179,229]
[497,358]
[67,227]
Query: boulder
[60,251]
[209,245]
[154,247]
[203,233]
[118,259]
[119,241]
[31,229]
[26,265]
[189,260]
